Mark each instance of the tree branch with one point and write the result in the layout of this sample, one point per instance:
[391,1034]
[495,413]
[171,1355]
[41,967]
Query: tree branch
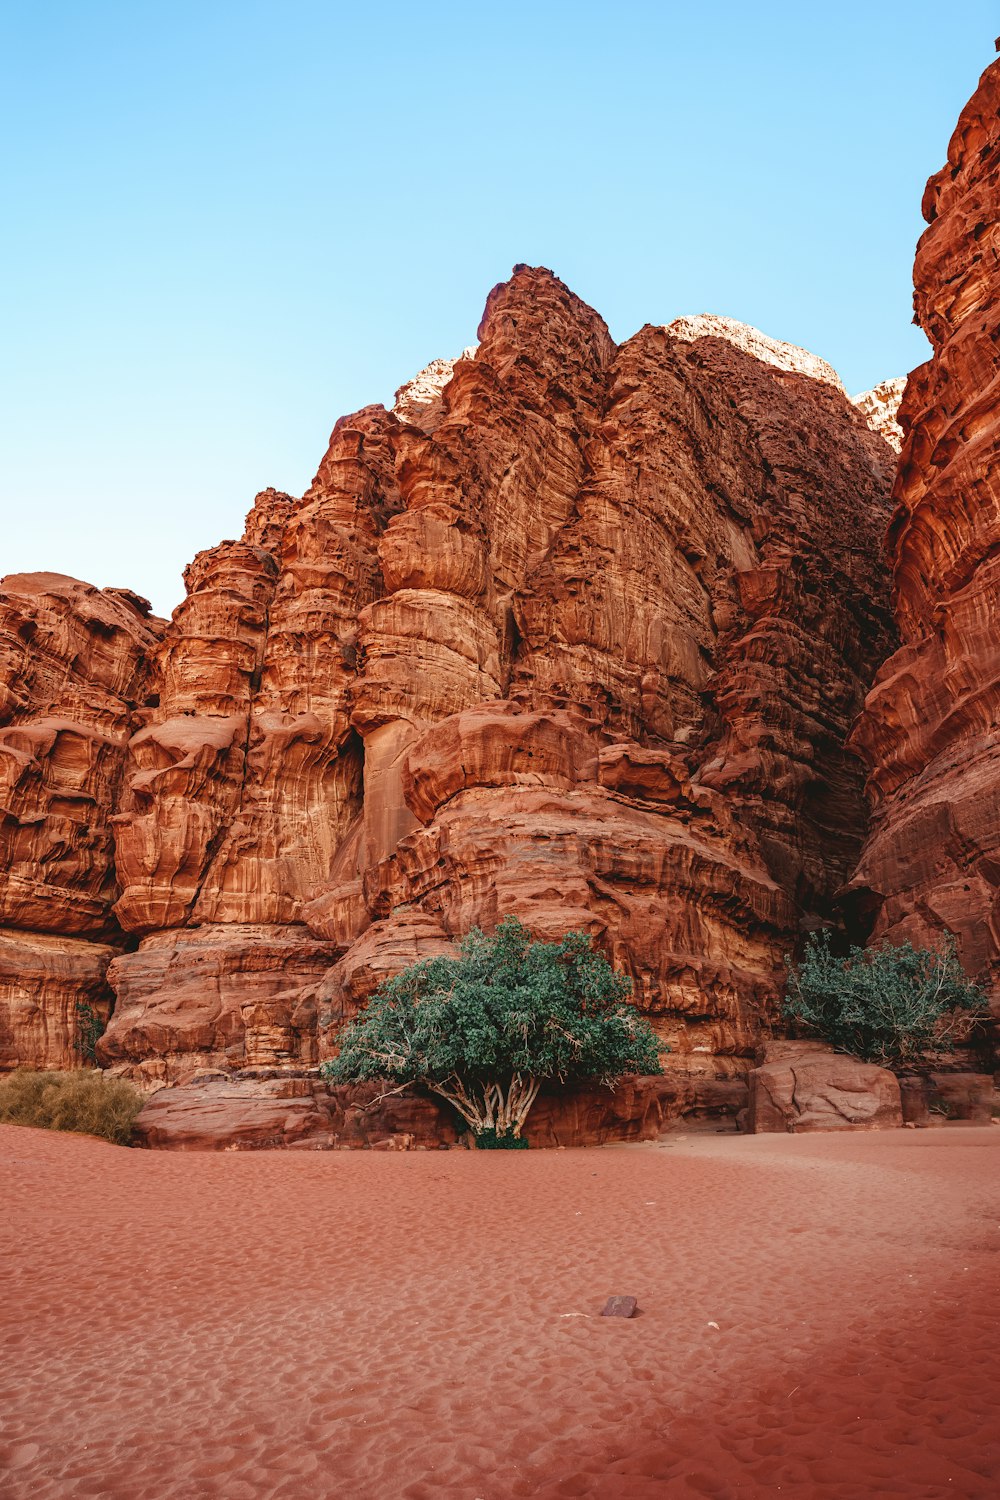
[387,1094]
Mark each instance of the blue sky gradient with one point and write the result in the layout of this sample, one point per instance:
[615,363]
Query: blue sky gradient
[228,223]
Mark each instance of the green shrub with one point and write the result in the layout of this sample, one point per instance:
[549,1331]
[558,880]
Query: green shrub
[84,1102]
[485,1028]
[888,1005]
[89,1030]
[492,1140]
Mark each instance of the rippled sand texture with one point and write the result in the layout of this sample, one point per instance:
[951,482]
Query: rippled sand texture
[422,1325]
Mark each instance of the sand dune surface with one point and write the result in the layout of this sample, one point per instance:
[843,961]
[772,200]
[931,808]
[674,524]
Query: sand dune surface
[819,1317]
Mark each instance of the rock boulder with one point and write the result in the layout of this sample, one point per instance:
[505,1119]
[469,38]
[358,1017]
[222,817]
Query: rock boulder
[807,1087]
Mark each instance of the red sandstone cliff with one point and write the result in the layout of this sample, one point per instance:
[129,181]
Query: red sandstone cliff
[929,730]
[74,668]
[575,631]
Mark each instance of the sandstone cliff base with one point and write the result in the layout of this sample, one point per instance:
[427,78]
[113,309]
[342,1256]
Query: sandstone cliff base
[423,1325]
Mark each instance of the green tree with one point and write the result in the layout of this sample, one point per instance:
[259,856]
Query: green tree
[888,1004]
[486,1028]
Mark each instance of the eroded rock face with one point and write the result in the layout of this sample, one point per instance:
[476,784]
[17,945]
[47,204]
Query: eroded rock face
[219,995]
[574,632]
[929,730]
[53,991]
[74,670]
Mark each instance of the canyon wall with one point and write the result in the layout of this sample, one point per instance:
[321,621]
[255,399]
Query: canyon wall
[574,631]
[930,727]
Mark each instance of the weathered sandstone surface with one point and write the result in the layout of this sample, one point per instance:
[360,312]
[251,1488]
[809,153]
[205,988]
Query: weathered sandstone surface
[929,731]
[575,631]
[804,1086]
[74,672]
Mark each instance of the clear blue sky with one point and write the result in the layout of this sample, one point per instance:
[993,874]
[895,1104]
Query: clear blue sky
[228,222]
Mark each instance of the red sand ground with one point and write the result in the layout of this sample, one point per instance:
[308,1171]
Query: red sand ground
[422,1325]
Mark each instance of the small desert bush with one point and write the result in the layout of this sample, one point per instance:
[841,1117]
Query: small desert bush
[84,1102]
[889,1004]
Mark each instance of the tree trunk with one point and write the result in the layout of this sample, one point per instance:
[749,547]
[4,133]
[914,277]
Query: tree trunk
[493,1107]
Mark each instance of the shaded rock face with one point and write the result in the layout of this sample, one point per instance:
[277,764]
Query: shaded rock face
[936,1098]
[74,674]
[575,632]
[929,730]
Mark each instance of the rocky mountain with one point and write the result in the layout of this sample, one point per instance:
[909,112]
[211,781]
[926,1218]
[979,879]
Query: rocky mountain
[575,631]
[929,732]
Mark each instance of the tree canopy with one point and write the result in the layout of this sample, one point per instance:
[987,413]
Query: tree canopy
[887,1004]
[485,1028]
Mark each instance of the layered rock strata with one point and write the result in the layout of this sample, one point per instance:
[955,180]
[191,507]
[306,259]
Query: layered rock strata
[929,731]
[74,673]
[248,775]
[575,632]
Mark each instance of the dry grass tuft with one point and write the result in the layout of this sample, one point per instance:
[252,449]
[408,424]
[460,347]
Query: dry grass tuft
[85,1102]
